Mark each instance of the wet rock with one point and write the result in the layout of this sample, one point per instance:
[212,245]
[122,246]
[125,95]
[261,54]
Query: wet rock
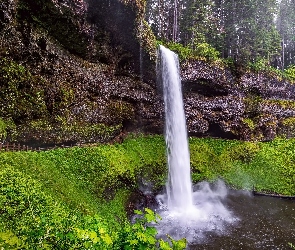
[248,106]
[85,55]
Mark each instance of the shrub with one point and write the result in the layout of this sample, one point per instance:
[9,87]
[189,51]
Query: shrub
[205,50]
[290,73]
[201,51]
[31,219]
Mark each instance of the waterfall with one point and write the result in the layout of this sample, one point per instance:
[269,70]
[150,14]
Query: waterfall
[185,213]
[179,185]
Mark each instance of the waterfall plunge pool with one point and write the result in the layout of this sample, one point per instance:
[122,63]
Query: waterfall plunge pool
[230,219]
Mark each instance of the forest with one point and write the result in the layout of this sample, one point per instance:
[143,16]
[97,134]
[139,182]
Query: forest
[244,31]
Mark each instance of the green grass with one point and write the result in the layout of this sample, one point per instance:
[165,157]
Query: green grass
[76,197]
[65,198]
[268,166]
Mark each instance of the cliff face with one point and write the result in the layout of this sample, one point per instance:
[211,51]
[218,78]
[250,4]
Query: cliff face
[248,106]
[70,71]
[74,71]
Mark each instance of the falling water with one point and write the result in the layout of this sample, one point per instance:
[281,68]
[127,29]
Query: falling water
[179,187]
[184,213]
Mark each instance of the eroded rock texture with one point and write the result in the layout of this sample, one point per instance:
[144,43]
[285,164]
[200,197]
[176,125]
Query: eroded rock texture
[251,106]
[74,71]
[76,64]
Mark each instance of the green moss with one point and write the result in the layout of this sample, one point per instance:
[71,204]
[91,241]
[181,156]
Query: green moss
[290,122]
[120,111]
[63,98]
[289,73]
[22,94]
[249,122]
[252,105]
[61,131]
[285,104]
[146,38]
[287,127]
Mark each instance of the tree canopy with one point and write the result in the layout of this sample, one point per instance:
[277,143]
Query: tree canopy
[244,30]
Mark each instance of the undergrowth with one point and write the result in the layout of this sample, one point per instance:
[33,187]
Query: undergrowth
[266,166]
[76,198]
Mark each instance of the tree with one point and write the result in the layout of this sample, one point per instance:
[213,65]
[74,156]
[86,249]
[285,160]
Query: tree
[163,16]
[250,30]
[285,25]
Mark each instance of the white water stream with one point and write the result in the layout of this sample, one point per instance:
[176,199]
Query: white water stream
[179,187]
[185,213]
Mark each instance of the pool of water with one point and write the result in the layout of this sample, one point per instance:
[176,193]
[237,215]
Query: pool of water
[262,223]
[229,219]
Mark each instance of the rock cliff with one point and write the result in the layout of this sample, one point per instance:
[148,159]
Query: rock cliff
[84,71]
[248,106]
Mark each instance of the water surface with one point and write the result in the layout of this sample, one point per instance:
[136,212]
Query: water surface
[263,223]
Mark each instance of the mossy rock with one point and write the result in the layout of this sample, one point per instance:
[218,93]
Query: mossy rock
[119,111]
[287,127]
[285,104]
[44,131]
[252,105]
[21,93]
[61,23]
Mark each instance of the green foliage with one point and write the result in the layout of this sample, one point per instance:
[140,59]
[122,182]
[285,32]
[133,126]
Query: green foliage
[260,64]
[250,123]
[21,94]
[75,198]
[203,161]
[285,104]
[287,127]
[200,51]
[289,73]
[141,236]
[267,166]
[146,37]
[7,129]
[120,110]
[183,52]
[263,65]
[252,109]
[32,219]
[62,130]
[43,216]
[3,132]
[28,214]
[205,50]
[244,152]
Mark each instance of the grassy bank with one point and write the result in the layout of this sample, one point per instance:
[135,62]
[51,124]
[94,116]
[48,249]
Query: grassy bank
[76,198]
[267,166]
